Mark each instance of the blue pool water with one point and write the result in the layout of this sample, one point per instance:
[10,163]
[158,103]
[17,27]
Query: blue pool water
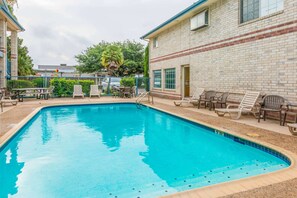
[119,151]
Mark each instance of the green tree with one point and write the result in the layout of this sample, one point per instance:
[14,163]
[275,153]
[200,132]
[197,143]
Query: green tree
[133,53]
[133,56]
[146,62]
[112,57]
[25,62]
[90,60]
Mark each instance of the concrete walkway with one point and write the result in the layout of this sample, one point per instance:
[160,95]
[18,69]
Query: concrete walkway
[271,125]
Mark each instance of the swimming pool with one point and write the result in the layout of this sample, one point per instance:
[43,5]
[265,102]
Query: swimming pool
[117,150]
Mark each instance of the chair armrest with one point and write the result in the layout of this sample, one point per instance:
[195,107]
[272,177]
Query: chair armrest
[232,105]
[261,103]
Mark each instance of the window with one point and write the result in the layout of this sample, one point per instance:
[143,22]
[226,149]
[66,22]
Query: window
[253,9]
[155,42]
[157,78]
[170,78]
[271,6]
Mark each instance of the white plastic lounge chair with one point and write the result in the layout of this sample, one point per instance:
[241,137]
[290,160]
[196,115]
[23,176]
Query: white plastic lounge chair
[77,91]
[246,105]
[195,97]
[7,100]
[94,91]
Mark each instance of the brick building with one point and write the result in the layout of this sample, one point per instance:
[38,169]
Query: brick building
[226,45]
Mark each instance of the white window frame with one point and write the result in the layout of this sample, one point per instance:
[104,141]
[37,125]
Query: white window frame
[155,42]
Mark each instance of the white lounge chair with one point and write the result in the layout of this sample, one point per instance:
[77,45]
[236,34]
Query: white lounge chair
[246,105]
[7,100]
[94,91]
[77,91]
[194,98]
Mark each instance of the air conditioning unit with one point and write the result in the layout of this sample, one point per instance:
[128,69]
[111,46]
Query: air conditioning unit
[200,20]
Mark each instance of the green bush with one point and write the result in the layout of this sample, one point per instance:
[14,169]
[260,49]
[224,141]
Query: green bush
[11,84]
[38,82]
[128,82]
[64,87]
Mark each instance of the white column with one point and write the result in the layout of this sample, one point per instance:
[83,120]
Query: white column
[3,47]
[14,54]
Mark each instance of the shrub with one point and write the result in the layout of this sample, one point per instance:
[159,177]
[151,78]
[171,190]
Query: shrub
[38,82]
[128,82]
[11,84]
[64,87]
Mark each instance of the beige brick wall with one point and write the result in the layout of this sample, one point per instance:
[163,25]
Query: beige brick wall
[268,65]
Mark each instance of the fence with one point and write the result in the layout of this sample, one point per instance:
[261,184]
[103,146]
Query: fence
[64,85]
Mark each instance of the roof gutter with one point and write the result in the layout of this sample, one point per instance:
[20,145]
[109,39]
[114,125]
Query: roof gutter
[188,9]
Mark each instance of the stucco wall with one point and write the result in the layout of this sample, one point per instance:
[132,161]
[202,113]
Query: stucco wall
[257,55]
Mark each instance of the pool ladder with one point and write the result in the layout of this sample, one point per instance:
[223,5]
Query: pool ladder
[143,95]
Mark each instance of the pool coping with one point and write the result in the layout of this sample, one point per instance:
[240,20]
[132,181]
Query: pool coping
[216,190]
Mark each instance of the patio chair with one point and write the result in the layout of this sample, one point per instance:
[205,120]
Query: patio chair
[206,98]
[133,91]
[77,91]
[6,100]
[127,92]
[7,94]
[47,93]
[271,103]
[194,98]
[115,91]
[246,105]
[219,100]
[94,91]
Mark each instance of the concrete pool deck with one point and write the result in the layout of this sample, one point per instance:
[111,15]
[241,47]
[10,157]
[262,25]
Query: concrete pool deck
[278,184]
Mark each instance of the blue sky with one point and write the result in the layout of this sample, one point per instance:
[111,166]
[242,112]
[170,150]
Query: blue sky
[57,30]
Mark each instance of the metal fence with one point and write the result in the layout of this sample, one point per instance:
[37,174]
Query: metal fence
[106,84]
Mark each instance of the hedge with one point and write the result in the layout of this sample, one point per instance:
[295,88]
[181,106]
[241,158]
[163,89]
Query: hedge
[38,82]
[64,87]
[127,82]
[11,84]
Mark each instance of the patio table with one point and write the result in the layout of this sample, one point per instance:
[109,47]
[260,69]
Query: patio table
[36,90]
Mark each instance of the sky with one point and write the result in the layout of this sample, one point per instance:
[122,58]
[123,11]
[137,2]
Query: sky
[57,30]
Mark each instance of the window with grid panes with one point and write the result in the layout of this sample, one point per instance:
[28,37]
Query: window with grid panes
[170,78]
[157,78]
[253,9]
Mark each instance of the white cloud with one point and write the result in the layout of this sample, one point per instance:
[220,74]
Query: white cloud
[58,30]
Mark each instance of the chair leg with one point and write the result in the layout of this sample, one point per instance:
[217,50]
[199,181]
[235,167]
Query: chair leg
[281,119]
[264,116]
[210,106]
[259,117]
[198,104]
